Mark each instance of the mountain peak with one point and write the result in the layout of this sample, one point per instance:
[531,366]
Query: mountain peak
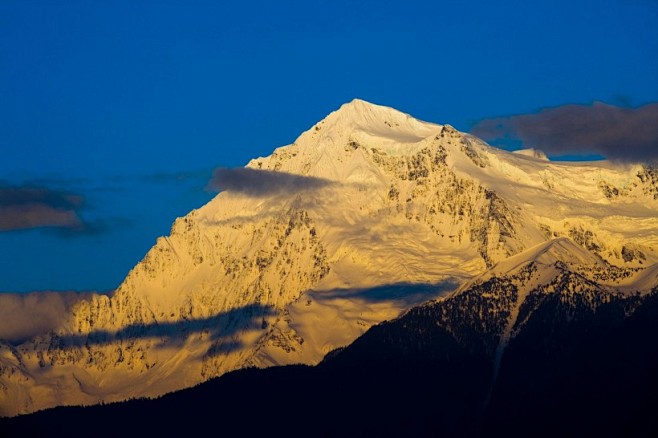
[362,107]
[374,120]
[360,103]
[358,108]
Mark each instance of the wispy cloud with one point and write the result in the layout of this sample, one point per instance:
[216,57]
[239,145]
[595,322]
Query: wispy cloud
[54,180]
[257,182]
[618,133]
[29,207]
[175,177]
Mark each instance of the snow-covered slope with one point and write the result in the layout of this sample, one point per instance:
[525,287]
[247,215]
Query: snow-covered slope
[365,215]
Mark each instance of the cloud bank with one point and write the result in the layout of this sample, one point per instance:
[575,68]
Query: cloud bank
[618,133]
[23,316]
[260,183]
[24,208]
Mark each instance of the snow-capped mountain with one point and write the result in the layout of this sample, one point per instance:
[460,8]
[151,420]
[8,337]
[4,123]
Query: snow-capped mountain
[534,341]
[366,215]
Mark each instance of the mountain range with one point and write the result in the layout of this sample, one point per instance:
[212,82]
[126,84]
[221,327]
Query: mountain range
[411,271]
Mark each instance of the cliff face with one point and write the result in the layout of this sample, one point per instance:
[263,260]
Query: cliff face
[367,214]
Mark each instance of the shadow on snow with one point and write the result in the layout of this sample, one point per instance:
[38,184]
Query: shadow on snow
[407,294]
[219,329]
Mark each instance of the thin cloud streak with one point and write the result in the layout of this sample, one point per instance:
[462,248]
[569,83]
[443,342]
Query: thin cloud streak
[259,183]
[25,195]
[27,216]
[177,177]
[619,133]
[54,211]
[24,208]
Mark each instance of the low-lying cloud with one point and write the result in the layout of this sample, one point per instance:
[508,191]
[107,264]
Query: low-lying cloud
[618,133]
[23,316]
[258,182]
[24,208]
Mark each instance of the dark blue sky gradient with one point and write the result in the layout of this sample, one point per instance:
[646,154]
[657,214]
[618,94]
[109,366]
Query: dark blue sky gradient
[132,104]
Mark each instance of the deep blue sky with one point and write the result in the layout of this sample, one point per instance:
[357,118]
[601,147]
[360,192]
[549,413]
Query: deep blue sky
[131,104]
